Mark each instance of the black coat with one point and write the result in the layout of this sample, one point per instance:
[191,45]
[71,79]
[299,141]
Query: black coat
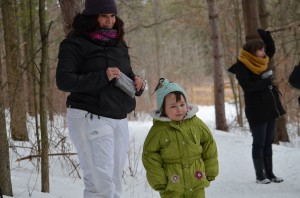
[262,102]
[81,70]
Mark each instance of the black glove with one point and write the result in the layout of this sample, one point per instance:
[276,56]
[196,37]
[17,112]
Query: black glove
[262,32]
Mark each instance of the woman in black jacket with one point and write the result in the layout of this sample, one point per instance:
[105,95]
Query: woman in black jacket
[262,103]
[92,58]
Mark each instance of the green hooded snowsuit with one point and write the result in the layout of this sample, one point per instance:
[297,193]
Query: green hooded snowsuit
[180,158]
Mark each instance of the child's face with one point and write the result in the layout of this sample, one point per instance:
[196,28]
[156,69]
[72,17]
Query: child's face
[260,53]
[175,110]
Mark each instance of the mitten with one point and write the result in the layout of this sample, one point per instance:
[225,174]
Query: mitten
[267,75]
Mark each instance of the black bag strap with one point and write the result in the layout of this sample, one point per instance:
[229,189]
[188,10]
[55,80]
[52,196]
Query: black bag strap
[294,78]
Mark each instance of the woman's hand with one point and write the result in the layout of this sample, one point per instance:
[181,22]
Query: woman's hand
[139,83]
[112,72]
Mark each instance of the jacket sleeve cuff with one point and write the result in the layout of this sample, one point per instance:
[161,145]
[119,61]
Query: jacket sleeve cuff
[209,178]
[160,187]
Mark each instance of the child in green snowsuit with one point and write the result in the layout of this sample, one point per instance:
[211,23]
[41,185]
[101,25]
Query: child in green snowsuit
[179,154]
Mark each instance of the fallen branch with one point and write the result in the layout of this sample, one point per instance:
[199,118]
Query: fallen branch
[30,157]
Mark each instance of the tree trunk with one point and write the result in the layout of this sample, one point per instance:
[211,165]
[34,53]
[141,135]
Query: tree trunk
[251,18]
[32,77]
[14,74]
[5,181]
[28,31]
[156,15]
[263,14]
[69,8]
[281,129]
[43,98]
[239,41]
[221,123]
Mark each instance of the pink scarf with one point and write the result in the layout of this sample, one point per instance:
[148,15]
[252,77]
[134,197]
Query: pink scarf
[103,34]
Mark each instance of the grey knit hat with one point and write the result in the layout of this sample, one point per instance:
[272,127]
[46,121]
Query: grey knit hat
[94,7]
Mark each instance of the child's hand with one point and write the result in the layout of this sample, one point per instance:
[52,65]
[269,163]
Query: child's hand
[112,72]
[139,83]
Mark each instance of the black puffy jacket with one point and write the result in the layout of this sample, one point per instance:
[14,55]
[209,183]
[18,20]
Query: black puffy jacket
[262,102]
[81,70]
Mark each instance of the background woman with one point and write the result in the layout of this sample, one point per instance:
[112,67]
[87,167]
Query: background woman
[262,103]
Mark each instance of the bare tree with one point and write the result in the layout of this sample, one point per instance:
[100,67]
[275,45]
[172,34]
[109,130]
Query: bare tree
[43,98]
[5,181]
[213,12]
[236,90]
[27,30]
[14,73]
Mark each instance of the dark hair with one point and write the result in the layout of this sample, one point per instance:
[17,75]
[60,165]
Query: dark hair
[178,95]
[253,45]
[89,23]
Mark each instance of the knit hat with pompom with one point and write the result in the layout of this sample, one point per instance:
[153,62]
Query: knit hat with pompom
[165,87]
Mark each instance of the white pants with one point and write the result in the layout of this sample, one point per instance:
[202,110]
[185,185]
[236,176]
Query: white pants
[101,145]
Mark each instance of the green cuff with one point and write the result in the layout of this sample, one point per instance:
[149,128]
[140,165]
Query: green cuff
[210,178]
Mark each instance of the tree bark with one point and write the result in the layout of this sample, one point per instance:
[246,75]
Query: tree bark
[156,16]
[251,18]
[32,78]
[43,98]
[14,73]
[69,8]
[5,181]
[221,123]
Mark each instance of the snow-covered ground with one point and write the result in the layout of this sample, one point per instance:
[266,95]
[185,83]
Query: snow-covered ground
[236,178]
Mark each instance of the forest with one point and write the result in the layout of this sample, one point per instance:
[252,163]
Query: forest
[192,42]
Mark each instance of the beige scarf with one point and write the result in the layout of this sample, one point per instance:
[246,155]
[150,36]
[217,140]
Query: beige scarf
[255,64]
